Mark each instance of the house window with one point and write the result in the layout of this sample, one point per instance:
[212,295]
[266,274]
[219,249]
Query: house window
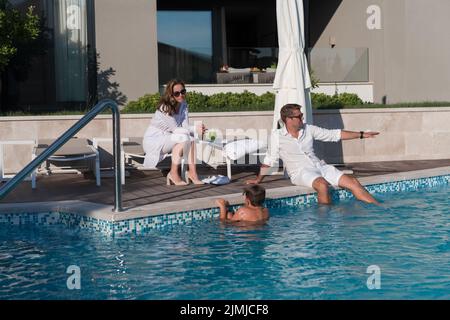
[185,46]
[251,34]
[196,38]
[71,50]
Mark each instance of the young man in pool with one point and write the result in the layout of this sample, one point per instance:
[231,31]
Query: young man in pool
[293,143]
[251,211]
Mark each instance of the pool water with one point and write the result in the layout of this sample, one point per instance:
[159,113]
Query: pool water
[314,252]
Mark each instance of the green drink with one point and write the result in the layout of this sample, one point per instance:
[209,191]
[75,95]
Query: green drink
[211,136]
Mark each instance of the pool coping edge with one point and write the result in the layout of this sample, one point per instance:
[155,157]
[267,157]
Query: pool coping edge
[105,212]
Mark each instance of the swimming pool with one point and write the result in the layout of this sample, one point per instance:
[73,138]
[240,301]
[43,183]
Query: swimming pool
[306,252]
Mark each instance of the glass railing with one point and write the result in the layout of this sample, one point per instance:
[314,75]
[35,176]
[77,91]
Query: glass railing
[252,57]
[245,63]
[248,65]
[340,64]
[193,65]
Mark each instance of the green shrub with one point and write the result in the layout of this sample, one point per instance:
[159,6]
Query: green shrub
[145,104]
[321,100]
[350,99]
[245,101]
[218,100]
[266,100]
[336,101]
[262,103]
[198,102]
[17,31]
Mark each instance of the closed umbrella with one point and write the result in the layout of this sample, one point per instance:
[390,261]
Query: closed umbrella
[292,81]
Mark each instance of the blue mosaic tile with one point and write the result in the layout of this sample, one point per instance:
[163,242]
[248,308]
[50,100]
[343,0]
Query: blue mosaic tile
[142,225]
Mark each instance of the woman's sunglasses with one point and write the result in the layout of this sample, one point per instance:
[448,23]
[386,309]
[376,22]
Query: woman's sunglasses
[177,93]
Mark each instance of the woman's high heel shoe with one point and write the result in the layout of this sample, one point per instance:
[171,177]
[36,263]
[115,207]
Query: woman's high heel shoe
[187,177]
[170,181]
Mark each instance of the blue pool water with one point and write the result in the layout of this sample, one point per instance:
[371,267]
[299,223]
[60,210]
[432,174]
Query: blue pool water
[313,252]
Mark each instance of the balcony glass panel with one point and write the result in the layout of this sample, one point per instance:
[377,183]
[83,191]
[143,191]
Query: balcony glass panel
[185,46]
[340,64]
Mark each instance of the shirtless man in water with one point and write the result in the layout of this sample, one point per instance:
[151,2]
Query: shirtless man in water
[251,211]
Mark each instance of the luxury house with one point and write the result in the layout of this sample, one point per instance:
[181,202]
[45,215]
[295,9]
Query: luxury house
[385,51]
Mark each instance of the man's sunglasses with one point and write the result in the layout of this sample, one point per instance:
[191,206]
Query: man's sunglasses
[300,117]
[177,93]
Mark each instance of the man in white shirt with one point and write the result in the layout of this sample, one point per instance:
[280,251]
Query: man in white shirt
[293,143]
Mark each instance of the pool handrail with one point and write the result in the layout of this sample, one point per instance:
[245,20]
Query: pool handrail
[88,117]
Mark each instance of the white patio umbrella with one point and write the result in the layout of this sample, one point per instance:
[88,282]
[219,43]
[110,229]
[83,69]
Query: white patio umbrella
[292,81]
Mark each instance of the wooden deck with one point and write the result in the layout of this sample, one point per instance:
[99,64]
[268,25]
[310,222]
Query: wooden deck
[148,187]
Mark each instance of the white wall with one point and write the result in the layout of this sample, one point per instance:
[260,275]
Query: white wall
[408,55]
[126,42]
[406,133]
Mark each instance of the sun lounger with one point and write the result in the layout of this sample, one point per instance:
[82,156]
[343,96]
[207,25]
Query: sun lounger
[3,175]
[134,154]
[76,149]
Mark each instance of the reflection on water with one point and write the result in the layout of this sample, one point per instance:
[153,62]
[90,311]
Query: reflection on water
[311,252]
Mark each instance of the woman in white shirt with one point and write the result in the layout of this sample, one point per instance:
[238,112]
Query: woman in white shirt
[169,132]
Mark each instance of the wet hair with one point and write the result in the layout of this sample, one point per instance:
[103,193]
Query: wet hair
[287,110]
[255,194]
[167,103]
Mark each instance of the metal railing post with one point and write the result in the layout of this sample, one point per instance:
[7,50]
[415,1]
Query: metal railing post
[88,117]
[117,166]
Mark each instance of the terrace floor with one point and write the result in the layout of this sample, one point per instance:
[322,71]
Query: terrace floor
[149,187]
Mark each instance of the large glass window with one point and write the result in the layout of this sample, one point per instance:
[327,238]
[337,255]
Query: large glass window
[251,34]
[196,38]
[185,46]
[58,73]
[28,81]
[71,50]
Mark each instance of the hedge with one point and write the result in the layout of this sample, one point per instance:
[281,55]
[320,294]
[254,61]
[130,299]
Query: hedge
[245,101]
[239,102]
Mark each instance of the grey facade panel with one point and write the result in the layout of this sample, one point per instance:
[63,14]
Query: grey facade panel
[408,55]
[126,44]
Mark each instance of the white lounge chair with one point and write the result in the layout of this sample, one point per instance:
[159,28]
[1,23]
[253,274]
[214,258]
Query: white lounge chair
[3,175]
[76,149]
[134,154]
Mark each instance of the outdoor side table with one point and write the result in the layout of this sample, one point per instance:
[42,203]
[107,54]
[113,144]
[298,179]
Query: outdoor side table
[213,150]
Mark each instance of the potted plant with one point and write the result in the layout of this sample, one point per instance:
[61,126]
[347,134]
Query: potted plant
[272,68]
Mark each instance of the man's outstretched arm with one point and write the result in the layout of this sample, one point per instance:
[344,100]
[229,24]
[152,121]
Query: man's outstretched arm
[349,135]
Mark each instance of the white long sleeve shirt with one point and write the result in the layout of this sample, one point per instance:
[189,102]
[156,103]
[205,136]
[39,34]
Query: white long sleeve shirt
[162,125]
[298,153]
